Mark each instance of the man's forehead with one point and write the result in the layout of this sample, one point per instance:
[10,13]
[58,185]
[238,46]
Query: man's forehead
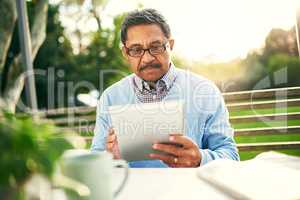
[144,35]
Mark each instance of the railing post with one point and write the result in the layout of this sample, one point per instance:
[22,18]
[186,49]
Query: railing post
[25,43]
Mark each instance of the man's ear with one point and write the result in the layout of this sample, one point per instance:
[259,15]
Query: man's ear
[171,41]
[124,53]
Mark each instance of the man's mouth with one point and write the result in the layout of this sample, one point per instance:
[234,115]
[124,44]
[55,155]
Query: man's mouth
[154,65]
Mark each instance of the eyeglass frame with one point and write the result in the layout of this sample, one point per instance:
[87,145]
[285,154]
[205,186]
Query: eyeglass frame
[164,45]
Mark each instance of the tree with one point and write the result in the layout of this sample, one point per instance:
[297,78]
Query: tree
[103,54]
[80,15]
[280,51]
[11,70]
[101,63]
[288,68]
[276,60]
[12,77]
[55,54]
[280,41]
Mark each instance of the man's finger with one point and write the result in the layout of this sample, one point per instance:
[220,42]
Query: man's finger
[172,161]
[170,149]
[111,138]
[165,158]
[183,140]
[109,146]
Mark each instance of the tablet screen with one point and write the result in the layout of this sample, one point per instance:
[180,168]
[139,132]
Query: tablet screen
[138,126]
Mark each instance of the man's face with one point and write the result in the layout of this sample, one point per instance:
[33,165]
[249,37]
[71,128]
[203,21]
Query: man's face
[148,67]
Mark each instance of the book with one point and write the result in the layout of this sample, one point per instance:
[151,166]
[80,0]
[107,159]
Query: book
[269,175]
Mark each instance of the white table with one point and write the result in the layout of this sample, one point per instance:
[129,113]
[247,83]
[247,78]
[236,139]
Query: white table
[160,184]
[183,183]
[144,184]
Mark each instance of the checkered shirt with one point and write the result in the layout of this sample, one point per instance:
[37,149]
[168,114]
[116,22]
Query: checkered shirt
[145,94]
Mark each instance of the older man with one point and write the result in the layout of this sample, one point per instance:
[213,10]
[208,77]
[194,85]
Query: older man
[147,46]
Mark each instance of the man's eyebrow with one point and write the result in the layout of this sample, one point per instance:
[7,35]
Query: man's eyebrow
[151,43]
[135,45]
[156,42]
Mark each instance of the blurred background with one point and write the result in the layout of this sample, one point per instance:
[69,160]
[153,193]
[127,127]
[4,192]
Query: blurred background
[76,46]
[249,48]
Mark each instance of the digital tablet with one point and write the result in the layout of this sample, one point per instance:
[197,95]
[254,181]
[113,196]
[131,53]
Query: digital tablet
[139,126]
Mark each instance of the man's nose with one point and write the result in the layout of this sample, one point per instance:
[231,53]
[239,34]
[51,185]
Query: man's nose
[147,57]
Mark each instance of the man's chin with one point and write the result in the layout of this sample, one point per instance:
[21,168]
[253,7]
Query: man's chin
[151,74]
[151,78]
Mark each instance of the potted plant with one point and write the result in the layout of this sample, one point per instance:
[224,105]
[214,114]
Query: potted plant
[27,147]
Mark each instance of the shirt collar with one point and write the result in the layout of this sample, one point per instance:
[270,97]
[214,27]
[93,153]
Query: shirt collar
[168,79]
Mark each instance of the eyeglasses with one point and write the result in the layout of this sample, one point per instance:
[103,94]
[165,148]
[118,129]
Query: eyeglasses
[139,52]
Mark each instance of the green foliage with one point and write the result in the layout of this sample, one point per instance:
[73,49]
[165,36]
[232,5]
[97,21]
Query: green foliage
[280,41]
[103,54]
[55,54]
[288,64]
[27,148]
[280,52]
[246,155]
[277,62]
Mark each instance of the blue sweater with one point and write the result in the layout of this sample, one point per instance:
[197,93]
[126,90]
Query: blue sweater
[206,116]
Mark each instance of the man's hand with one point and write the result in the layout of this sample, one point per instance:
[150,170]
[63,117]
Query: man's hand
[181,152]
[112,144]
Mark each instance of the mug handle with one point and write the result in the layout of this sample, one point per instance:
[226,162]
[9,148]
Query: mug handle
[121,164]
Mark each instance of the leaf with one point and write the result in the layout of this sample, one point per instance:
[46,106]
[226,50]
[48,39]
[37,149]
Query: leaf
[28,147]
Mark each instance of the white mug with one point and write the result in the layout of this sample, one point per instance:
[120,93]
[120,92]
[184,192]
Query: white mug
[94,170]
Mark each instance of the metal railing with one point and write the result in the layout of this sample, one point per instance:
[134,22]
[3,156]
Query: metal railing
[82,119]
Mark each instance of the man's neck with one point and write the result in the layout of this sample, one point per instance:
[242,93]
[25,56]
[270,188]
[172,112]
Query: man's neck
[152,84]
